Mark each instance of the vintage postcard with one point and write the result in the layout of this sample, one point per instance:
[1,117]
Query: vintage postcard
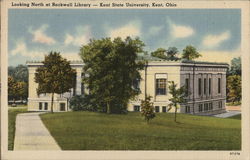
[125,80]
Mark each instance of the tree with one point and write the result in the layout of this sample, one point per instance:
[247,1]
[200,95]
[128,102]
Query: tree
[234,88]
[160,53]
[178,96]
[235,68]
[19,75]
[111,66]
[55,76]
[190,53]
[234,81]
[22,90]
[172,54]
[147,109]
[12,89]
[169,54]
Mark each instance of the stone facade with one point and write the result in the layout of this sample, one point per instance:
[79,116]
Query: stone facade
[206,83]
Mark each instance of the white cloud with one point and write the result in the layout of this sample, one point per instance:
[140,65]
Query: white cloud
[40,36]
[154,30]
[131,29]
[181,31]
[81,36]
[21,49]
[215,40]
[219,56]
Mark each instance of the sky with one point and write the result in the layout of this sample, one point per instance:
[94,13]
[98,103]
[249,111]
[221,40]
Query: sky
[216,33]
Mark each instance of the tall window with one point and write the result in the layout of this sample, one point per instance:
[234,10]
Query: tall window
[200,107]
[187,109]
[205,86]
[210,106]
[157,109]
[219,85]
[46,106]
[205,106]
[82,85]
[161,86]
[220,104]
[209,86]
[187,85]
[40,105]
[199,86]
[164,109]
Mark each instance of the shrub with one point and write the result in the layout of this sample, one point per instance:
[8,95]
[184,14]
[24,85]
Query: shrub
[147,109]
[82,103]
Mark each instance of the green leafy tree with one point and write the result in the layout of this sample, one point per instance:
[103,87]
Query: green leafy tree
[178,96]
[16,90]
[190,53]
[234,88]
[111,66]
[235,68]
[12,89]
[172,54]
[160,53]
[147,109]
[20,76]
[55,76]
[22,90]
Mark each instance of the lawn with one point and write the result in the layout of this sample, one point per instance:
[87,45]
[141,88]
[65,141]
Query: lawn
[236,117]
[12,113]
[98,131]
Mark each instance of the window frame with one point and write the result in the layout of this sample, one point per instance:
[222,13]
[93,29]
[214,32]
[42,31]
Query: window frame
[219,85]
[40,106]
[199,86]
[164,109]
[157,109]
[161,90]
[46,106]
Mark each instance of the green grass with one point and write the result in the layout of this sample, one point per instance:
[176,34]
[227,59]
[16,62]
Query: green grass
[236,117]
[97,131]
[12,113]
[233,103]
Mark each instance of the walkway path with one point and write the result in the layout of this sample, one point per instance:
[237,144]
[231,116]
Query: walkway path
[228,114]
[31,134]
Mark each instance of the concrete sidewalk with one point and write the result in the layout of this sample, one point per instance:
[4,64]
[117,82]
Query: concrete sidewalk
[227,114]
[31,134]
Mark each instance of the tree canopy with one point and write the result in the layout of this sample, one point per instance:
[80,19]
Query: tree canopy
[18,82]
[234,81]
[19,73]
[234,88]
[190,53]
[55,76]
[169,54]
[235,68]
[111,67]
[159,53]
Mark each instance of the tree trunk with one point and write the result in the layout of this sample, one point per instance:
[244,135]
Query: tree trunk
[175,113]
[52,101]
[108,108]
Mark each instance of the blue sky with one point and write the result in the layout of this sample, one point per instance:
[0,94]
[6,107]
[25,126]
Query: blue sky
[216,33]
